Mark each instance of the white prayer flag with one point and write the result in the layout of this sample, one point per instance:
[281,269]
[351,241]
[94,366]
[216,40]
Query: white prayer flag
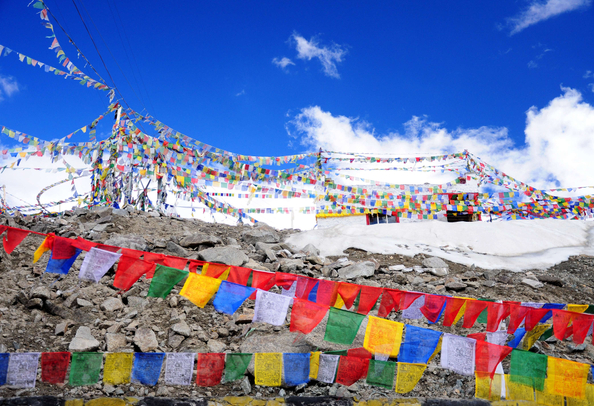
[327,368]
[179,368]
[271,308]
[96,264]
[414,310]
[457,354]
[22,369]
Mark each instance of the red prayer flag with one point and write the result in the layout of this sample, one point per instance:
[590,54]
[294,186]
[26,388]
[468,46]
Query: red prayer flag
[496,313]
[561,321]
[239,275]
[453,306]
[305,316]
[390,301]
[351,369]
[130,270]
[488,356]
[63,248]
[478,336]
[194,264]
[359,352]
[308,285]
[262,280]
[348,292]
[581,327]
[156,259]
[13,238]
[210,369]
[473,310]
[285,280]
[132,253]
[327,293]
[176,262]
[534,316]
[368,298]
[408,298]
[214,270]
[54,366]
[109,248]
[516,316]
[83,244]
[432,307]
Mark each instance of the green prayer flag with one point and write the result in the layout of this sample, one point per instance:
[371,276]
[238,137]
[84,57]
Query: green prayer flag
[337,352]
[342,326]
[528,368]
[85,368]
[483,317]
[164,280]
[381,373]
[589,310]
[235,366]
[546,335]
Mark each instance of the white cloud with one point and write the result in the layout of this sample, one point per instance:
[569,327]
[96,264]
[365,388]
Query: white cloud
[242,93]
[532,65]
[539,10]
[558,140]
[328,56]
[8,86]
[591,86]
[588,74]
[283,62]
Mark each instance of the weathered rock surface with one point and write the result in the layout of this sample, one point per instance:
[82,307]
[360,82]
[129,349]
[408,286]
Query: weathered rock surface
[132,241]
[146,339]
[115,341]
[197,239]
[112,304]
[260,235]
[83,341]
[365,269]
[224,255]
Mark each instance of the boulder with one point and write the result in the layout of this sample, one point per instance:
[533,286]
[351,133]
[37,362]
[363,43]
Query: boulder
[532,283]
[311,249]
[290,265]
[267,250]
[366,268]
[137,303]
[434,262]
[115,341]
[197,239]
[41,292]
[224,255]
[111,304]
[182,328]
[176,249]
[83,341]
[255,235]
[146,339]
[216,346]
[132,241]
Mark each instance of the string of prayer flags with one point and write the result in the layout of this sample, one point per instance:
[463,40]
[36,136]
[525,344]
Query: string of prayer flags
[390,301]
[130,270]
[327,367]
[45,246]
[487,388]
[4,356]
[533,335]
[419,344]
[239,275]
[54,366]
[296,368]
[179,368]
[351,369]
[368,298]
[474,308]
[314,364]
[198,289]
[518,391]
[342,326]
[305,316]
[381,373]
[118,367]
[348,292]
[433,307]
[458,354]
[210,369]
[96,264]
[383,336]
[22,369]
[413,311]
[567,378]
[488,356]
[85,368]
[147,367]
[271,308]
[268,368]
[12,238]
[230,297]
[408,376]
[528,368]
[62,266]
[235,366]
[165,279]
[262,280]
[582,324]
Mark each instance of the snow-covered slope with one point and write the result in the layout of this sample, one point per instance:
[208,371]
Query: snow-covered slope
[514,245]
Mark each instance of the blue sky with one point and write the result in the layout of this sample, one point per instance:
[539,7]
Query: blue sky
[208,70]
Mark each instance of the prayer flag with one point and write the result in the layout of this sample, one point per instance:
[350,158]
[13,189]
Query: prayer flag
[351,369]
[348,292]
[175,262]
[63,248]
[85,368]
[533,335]
[214,270]
[198,289]
[518,391]
[528,368]
[413,311]
[179,367]
[118,367]
[390,301]
[210,369]
[327,292]
[496,313]
[473,310]
[488,356]
[236,365]
[458,354]
[62,266]
[45,246]
[3,367]
[239,275]
[305,316]
[383,336]
[130,270]
[54,366]
[368,298]
[230,297]
[147,367]
[12,238]
[567,378]
[408,298]
[408,376]
[165,279]
[262,280]
[271,308]
[22,369]
[433,307]
[381,373]
[96,264]
[534,316]
[314,364]
[296,366]
[342,326]
[327,368]
[516,317]
[487,388]
[268,368]
[419,344]
[561,321]
[582,323]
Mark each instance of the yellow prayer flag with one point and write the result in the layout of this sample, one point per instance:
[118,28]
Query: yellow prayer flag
[198,289]
[43,248]
[583,402]
[546,397]
[567,378]
[460,312]
[118,367]
[437,349]
[268,368]
[487,388]
[339,302]
[408,376]
[579,308]
[517,391]
[314,364]
[533,335]
[383,336]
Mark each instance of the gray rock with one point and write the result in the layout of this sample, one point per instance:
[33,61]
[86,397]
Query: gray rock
[260,235]
[366,268]
[577,347]
[83,302]
[175,340]
[115,341]
[146,339]
[83,341]
[291,265]
[197,239]
[275,342]
[532,283]
[245,386]
[224,255]
[456,286]
[311,249]
[137,303]
[61,328]
[120,212]
[41,292]
[102,210]
[99,228]
[182,328]
[434,262]
[111,304]
[35,303]
[396,267]
[550,279]
[176,249]
[439,271]
[216,346]
[314,259]
[132,241]
[267,250]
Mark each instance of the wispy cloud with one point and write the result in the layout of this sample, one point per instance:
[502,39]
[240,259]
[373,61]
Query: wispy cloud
[328,56]
[532,65]
[541,10]
[240,93]
[283,62]
[588,74]
[8,86]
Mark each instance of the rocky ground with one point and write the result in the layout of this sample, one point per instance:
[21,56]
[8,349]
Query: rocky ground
[42,313]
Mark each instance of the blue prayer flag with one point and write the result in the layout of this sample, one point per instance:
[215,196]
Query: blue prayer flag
[3,367]
[296,367]
[146,368]
[313,293]
[62,266]
[550,306]
[230,296]
[518,335]
[419,344]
